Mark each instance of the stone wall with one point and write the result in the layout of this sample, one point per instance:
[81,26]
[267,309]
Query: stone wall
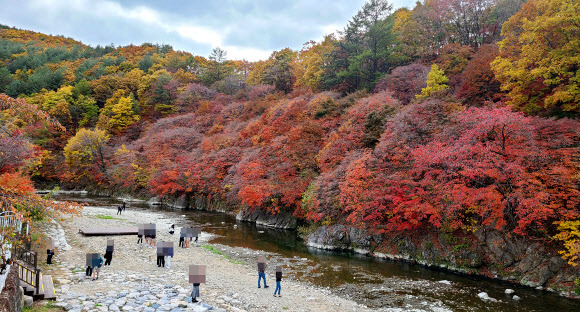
[11,296]
[486,252]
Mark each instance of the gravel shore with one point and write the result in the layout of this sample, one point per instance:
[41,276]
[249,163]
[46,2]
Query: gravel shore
[133,282]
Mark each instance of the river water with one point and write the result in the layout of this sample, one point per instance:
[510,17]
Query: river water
[379,284]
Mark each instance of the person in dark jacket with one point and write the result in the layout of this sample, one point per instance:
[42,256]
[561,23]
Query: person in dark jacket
[160,257]
[108,256]
[119,210]
[49,254]
[182,240]
[278,280]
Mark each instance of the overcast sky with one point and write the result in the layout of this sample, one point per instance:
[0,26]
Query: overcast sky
[246,29]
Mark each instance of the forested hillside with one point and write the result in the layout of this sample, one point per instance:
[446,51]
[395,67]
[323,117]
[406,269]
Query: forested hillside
[451,116]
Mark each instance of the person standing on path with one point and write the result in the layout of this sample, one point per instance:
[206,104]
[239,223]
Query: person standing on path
[195,292]
[124,207]
[49,254]
[169,255]
[161,255]
[97,267]
[109,252]
[196,277]
[262,271]
[108,257]
[182,240]
[119,209]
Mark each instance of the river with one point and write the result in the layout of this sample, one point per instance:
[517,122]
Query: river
[379,284]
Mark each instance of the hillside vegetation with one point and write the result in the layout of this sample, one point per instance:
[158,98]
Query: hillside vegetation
[450,116]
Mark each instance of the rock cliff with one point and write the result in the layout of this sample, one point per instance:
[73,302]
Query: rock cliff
[486,252]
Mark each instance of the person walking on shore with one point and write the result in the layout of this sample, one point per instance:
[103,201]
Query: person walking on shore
[278,280]
[262,271]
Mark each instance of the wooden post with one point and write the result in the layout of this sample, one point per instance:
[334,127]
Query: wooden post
[37,281]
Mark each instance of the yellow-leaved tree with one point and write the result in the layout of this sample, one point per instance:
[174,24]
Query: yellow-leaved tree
[308,66]
[539,58]
[436,81]
[85,156]
[123,115]
[569,235]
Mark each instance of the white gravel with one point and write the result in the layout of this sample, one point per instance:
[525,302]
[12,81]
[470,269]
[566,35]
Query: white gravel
[133,282]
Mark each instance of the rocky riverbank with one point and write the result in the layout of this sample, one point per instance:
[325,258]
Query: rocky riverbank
[484,253]
[133,282]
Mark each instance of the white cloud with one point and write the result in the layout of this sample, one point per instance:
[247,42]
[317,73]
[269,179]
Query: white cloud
[250,54]
[249,29]
[143,15]
[198,34]
[331,29]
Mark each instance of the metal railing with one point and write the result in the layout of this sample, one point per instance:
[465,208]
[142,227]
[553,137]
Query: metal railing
[25,260]
[10,219]
[29,258]
[30,276]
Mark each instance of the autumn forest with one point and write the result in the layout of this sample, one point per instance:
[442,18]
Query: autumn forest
[449,116]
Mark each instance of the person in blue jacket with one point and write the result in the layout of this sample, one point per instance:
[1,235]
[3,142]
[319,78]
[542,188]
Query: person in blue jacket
[97,268]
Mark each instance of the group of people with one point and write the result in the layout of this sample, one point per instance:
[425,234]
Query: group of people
[184,240]
[94,268]
[262,276]
[121,208]
[164,260]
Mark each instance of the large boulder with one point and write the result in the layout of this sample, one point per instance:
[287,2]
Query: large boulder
[340,237]
[281,220]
